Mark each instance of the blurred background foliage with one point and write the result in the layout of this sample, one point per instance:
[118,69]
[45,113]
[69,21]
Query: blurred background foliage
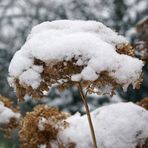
[17,17]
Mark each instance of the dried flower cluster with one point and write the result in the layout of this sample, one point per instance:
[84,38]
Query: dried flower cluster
[14,122]
[41,127]
[60,73]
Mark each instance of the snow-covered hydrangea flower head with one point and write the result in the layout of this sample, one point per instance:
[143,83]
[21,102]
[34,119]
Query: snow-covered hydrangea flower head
[68,52]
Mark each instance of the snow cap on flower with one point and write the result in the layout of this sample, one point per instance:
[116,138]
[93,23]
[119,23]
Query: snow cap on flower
[66,52]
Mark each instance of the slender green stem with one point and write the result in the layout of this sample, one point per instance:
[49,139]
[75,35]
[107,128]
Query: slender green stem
[88,115]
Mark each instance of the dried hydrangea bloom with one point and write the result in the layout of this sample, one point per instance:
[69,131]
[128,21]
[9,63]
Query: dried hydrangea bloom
[41,126]
[68,52]
[9,116]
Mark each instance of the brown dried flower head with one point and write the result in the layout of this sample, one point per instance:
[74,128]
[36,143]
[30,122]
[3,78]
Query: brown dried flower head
[41,126]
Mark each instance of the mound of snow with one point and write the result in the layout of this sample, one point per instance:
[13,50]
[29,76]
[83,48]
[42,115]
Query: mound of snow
[6,114]
[121,125]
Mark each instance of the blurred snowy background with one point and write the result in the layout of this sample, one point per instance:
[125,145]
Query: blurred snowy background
[17,17]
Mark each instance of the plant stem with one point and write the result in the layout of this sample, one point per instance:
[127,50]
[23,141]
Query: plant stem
[83,97]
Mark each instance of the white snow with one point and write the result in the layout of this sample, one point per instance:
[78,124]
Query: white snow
[41,123]
[42,146]
[31,78]
[90,42]
[120,125]
[6,114]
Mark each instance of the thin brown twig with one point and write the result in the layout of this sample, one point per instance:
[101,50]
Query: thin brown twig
[88,115]
[87,89]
